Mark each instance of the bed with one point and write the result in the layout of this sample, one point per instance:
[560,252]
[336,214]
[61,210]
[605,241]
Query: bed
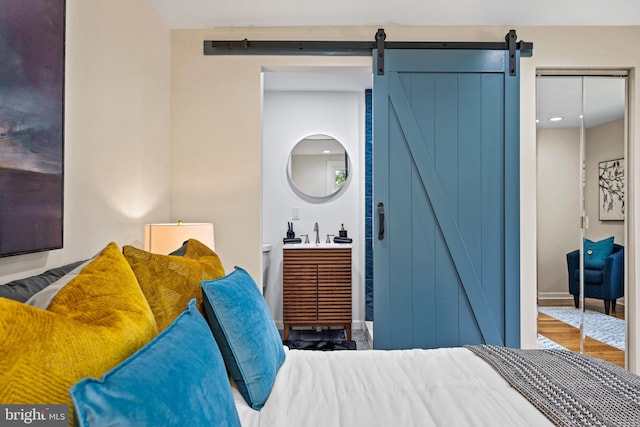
[230,368]
[445,387]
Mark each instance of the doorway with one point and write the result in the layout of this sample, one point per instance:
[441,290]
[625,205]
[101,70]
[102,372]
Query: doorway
[312,103]
[581,152]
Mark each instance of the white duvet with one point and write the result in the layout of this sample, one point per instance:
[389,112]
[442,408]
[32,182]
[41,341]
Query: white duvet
[443,387]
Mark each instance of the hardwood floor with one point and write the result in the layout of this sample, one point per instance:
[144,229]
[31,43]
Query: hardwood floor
[569,337]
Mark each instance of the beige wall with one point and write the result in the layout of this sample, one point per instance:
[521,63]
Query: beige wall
[605,142]
[216,127]
[125,102]
[558,207]
[117,86]
[216,136]
[586,48]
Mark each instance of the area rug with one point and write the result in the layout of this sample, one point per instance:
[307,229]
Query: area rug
[599,326]
[325,340]
[546,344]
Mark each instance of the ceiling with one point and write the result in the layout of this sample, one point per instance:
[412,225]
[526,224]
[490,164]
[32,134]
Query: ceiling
[269,13]
[604,101]
[328,79]
[598,100]
[593,100]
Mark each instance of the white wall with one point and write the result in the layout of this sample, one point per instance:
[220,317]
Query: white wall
[289,117]
[305,170]
[116,135]
[558,207]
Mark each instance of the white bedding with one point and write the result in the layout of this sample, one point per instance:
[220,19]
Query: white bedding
[442,387]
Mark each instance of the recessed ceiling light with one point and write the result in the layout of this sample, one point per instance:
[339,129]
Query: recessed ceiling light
[537,121]
[326,151]
[555,119]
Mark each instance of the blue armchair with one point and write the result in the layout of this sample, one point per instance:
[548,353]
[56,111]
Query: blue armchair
[606,284]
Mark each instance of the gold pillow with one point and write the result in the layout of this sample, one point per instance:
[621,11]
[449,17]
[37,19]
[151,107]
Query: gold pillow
[170,282]
[95,322]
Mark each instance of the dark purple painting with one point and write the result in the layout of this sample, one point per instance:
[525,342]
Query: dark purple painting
[31,125]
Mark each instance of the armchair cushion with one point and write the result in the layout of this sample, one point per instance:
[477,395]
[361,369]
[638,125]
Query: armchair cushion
[591,277]
[595,253]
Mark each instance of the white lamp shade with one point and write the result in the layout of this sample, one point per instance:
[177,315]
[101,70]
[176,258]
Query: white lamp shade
[166,238]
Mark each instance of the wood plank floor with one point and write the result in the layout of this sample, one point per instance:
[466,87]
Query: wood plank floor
[569,337]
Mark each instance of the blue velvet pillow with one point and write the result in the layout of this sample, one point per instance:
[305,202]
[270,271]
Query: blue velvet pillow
[177,379]
[595,253]
[249,341]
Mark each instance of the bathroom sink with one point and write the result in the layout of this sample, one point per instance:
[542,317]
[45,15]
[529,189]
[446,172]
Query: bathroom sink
[317,246]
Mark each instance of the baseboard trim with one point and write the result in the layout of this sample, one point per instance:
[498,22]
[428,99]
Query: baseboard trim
[555,295]
[566,296]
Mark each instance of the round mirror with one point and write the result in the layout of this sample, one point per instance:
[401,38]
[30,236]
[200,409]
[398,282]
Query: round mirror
[318,166]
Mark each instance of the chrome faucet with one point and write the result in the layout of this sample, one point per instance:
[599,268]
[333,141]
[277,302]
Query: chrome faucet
[317,230]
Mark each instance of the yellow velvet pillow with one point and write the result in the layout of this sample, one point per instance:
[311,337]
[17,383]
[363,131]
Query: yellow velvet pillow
[95,322]
[170,282]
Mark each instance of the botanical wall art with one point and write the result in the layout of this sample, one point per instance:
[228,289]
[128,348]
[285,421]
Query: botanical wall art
[31,125]
[611,183]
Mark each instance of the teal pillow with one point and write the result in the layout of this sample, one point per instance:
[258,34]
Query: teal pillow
[595,253]
[249,341]
[177,379]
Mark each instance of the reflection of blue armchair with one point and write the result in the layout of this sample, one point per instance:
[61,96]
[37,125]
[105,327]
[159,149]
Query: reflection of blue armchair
[606,284]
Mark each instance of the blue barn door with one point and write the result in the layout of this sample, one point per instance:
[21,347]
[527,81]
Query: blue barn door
[446,186]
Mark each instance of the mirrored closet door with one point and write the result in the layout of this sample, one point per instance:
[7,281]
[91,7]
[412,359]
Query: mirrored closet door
[581,149]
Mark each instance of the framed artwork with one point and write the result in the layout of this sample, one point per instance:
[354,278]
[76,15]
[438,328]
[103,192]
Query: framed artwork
[31,125]
[611,189]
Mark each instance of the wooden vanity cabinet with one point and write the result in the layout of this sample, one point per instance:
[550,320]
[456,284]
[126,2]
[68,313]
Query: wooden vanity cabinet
[317,288]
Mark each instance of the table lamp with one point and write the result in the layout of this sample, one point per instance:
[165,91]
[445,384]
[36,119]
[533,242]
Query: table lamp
[166,238]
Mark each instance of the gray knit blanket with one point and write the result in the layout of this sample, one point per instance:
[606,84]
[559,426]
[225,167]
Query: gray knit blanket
[569,388]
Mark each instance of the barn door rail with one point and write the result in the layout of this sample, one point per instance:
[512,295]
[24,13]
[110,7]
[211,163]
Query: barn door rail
[360,48]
